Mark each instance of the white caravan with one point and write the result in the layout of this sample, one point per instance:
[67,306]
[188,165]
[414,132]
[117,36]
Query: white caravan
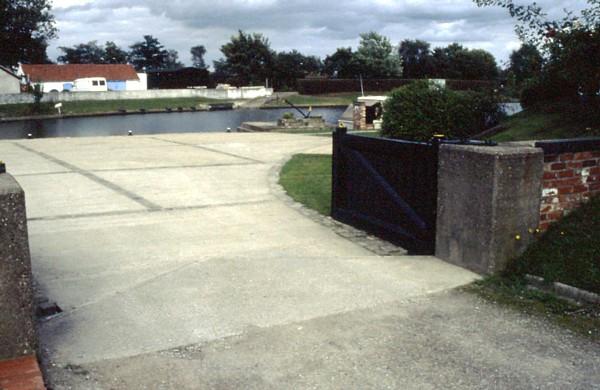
[90,84]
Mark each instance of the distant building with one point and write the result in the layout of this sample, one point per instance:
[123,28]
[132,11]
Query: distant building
[59,78]
[9,82]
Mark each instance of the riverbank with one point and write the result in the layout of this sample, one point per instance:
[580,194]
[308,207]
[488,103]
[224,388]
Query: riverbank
[108,113]
[12,112]
[23,112]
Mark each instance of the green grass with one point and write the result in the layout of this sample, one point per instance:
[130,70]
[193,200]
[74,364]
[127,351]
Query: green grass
[569,252]
[18,110]
[101,106]
[559,120]
[307,179]
[85,107]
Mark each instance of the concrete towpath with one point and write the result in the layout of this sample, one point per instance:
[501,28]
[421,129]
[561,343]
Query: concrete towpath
[179,265]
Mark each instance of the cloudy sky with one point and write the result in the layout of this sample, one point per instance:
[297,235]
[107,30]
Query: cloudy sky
[314,27]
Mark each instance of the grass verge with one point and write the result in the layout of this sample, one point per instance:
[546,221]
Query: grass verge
[569,252]
[85,107]
[307,179]
[101,106]
[19,110]
[560,120]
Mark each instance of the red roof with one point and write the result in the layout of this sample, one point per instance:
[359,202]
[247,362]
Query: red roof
[71,72]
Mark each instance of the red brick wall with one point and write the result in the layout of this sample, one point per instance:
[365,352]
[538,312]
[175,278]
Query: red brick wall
[569,179]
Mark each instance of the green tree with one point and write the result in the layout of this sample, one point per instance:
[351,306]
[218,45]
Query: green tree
[290,66]
[26,26]
[172,61]
[570,47]
[83,53]
[248,59]
[376,58]
[149,54]
[113,54]
[92,53]
[416,58]
[535,28]
[198,53]
[458,62]
[525,63]
[341,64]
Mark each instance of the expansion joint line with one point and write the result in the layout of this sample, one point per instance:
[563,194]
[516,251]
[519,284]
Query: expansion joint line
[209,149]
[151,206]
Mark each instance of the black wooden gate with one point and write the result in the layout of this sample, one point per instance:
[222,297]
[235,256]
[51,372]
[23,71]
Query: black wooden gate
[387,187]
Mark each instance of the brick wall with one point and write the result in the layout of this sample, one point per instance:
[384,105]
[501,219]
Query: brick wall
[571,176]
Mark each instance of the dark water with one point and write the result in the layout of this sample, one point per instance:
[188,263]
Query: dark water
[185,122]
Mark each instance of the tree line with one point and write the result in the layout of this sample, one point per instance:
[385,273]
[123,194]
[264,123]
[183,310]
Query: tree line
[248,59]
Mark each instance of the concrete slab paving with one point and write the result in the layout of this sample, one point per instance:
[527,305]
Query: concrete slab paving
[20,162]
[189,187]
[70,194]
[178,265]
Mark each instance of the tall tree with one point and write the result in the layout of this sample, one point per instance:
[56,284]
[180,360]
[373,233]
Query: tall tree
[248,59]
[113,54]
[83,53]
[341,64]
[198,53]
[458,62]
[26,26]
[570,47]
[290,66]
[376,57]
[149,54]
[92,53]
[535,28]
[172,61]
[416,58]
[525,63]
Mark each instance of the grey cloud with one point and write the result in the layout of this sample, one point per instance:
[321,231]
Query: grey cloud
[314,26]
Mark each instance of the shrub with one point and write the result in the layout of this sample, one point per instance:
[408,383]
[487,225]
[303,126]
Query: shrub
[421,109]
[545,89]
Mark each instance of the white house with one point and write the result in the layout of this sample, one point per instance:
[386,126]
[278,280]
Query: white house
[9,82]
[59,78]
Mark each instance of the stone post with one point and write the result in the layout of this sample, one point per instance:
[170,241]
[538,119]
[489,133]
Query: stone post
[488,204]
[17,326]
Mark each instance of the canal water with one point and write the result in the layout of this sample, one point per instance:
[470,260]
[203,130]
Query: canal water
[175,122]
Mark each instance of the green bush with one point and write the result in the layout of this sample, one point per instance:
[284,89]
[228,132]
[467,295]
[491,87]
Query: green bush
[421,109]
[547,89]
